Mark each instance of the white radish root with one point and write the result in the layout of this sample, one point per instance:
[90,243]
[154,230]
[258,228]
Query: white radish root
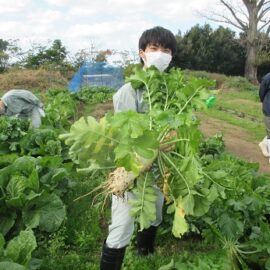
[120,180]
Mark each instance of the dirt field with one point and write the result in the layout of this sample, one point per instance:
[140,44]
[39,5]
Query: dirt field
[237,141]
[102,108]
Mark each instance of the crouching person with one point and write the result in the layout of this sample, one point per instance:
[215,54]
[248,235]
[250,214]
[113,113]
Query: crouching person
[22,104]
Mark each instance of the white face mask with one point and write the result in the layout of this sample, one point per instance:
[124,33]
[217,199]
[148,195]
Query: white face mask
[159,59]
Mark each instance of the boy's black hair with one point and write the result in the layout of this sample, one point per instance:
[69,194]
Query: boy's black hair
[158,36]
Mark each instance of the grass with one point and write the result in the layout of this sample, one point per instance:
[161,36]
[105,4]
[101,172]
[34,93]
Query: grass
[34,80]
[86,109]
[240,83]
[219,78]
[255,130]
[241,106]
[183,259]
[245,102]
[235,102]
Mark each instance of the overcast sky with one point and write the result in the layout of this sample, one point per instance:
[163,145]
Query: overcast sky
[112,24]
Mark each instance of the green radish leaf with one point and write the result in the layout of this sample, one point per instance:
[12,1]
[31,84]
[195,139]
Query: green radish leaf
[144,202]
[180,225]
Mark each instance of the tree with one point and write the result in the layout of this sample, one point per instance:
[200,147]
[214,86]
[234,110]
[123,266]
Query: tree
[126,58]
[56,53]
[227,52]
[102,55]
[263,57]
[3,55]
[253,19]
[34,56]
[195,51]
[16,53]
[90,55]
[202,48]
[82,56]
[40,55]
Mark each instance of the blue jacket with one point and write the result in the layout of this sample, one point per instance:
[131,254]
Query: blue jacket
[265,94]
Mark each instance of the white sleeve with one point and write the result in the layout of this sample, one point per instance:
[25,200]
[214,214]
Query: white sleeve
[125,99]
[36,117]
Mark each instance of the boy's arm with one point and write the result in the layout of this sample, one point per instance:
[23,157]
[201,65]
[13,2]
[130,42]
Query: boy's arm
[125,99]
[264,87]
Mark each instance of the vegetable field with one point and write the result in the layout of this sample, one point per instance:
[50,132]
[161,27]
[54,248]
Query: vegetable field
[56,183]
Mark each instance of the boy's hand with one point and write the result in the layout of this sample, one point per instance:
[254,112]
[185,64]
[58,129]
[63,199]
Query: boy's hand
[165,145]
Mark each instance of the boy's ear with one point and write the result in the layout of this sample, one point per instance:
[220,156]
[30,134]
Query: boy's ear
[141,54]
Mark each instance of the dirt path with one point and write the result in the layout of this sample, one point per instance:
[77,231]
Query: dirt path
[237,141]
[102,108]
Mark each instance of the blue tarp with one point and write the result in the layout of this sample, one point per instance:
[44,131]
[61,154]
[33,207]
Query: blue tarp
[97,74]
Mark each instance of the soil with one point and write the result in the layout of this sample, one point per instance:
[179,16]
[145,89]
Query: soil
[237,141]
[102,108]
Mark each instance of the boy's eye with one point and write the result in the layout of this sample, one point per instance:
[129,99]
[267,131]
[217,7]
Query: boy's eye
[167,51]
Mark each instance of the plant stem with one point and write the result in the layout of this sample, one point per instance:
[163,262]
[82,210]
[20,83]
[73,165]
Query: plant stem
[210,178]
[149,101]
[173,141]
[177,154]
[100,168]
[167,95]
[176,169]
[199,88]
[144,184]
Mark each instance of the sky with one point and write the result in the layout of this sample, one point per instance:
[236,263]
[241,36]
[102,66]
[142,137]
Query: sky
[108,24]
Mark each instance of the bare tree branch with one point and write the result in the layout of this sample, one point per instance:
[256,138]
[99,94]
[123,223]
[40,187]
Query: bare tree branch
[232,11]
[261,3]
[265,24]
[222,19]
[244,13]
[252,21]
[263,12]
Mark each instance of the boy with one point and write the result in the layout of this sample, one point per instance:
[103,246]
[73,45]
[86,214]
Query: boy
[156,47]
[22,103]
